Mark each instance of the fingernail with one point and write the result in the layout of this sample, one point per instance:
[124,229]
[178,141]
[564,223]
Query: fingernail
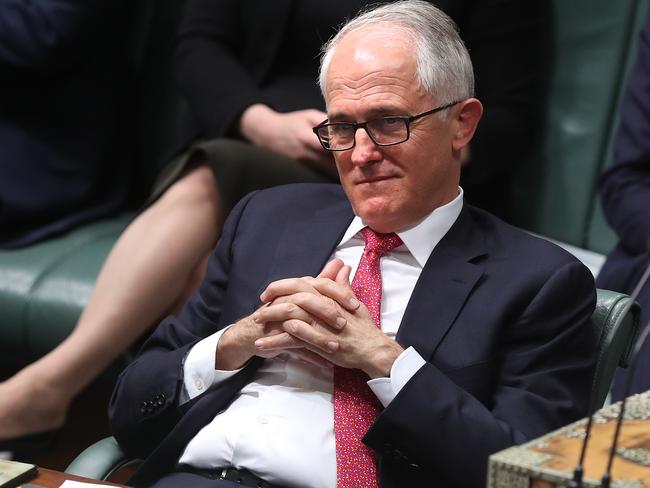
[259,343]
[256,318]
[341,321]
[263,297]
[332,345]
[354,302]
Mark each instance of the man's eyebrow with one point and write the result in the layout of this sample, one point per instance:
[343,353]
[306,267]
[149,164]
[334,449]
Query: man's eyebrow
[371,114]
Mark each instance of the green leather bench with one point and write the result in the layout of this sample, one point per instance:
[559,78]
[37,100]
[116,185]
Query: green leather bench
[593,43]
[43,288]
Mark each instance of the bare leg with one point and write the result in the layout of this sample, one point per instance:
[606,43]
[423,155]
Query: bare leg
[150,268]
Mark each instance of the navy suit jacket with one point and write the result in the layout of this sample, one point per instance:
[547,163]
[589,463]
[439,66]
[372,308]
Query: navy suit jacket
[502,319]
[625,190]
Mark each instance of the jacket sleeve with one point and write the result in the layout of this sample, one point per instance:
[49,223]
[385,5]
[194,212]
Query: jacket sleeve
[209,68]
[625,187]
[538,380]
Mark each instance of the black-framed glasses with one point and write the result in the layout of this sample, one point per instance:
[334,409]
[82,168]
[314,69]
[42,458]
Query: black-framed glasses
[383,131]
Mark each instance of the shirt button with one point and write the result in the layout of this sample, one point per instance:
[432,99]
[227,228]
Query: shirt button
[199,384]
[263,419]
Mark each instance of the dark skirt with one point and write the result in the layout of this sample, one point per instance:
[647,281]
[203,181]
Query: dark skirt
[239,168]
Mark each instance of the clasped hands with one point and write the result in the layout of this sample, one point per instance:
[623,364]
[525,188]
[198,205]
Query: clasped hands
[318,319]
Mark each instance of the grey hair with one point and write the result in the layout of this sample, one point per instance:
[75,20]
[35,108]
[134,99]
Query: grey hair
[443,66]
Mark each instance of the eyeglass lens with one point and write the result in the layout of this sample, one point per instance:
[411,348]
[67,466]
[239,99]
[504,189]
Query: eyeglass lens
[385,131]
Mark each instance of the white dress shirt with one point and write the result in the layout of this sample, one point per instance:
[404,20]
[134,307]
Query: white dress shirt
[281,425]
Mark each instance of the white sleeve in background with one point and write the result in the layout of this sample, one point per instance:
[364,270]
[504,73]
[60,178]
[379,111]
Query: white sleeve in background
[405,366]
[198,371]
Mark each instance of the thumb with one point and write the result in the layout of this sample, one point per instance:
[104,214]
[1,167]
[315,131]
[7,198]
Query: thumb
[331,269]
[343,275]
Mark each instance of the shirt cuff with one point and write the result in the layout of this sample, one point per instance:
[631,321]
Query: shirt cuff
[198,372]
[403,369]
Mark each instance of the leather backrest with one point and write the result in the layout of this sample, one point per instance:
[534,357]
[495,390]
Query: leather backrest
[616,326]
[555,189]
[100,460]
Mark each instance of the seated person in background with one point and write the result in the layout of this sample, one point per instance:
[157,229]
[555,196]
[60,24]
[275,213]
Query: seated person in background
[64,161]
[452,338]
[247,69]
[62,79]
[625,189]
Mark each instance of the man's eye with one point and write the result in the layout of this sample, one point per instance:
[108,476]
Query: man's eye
[388,121]
[342,129]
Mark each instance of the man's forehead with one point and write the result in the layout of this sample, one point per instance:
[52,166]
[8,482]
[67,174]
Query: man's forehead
[392,90]
[371,111]
[361,64]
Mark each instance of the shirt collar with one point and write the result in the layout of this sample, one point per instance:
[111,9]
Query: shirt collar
[422,238]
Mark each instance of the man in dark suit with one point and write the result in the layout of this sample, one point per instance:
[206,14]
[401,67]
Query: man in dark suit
[480,337]
[625,189]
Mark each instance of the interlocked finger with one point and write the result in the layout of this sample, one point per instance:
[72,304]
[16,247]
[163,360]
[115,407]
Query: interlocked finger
[303,306]
[314,336]
[275,342]
[341,293]
[287,286]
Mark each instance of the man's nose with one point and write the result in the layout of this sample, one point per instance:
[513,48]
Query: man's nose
[365,151]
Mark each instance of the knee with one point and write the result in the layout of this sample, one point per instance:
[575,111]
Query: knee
[196,187]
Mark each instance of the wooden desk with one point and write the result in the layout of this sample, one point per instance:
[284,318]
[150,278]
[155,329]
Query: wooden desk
[548,462]
[48,478]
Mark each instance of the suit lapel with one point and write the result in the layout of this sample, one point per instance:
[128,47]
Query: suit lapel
[443,287]
[304,247]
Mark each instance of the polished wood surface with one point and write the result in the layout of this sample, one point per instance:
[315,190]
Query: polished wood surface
[48,478]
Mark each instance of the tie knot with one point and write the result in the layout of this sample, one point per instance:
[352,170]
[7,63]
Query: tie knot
[380,243]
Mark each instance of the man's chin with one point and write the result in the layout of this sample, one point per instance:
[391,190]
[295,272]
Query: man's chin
[377,213]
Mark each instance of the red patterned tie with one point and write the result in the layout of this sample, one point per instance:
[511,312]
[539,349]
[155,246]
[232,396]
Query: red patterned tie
[355,406]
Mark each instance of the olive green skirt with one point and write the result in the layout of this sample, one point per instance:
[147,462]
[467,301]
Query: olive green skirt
[239,168]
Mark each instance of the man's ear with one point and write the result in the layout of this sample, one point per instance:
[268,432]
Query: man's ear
[465,120]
